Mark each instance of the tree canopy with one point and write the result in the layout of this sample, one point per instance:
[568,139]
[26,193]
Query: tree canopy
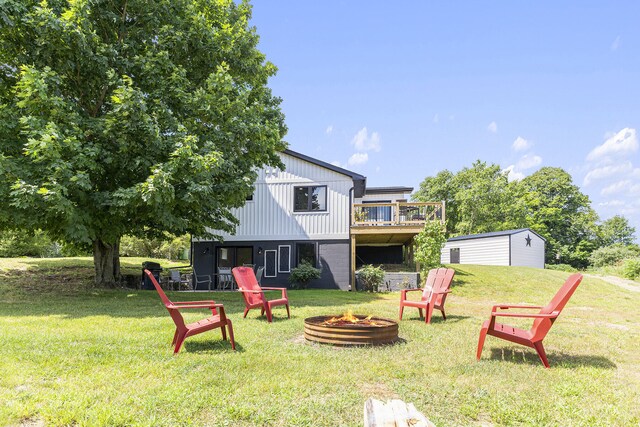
[480,199]
[131,117]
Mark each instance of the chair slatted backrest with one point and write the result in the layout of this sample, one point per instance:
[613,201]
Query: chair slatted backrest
[246,280]
[438,280]
[542,325]
[175,314]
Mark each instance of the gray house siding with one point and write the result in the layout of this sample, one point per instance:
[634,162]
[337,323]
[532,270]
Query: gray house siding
[332,259]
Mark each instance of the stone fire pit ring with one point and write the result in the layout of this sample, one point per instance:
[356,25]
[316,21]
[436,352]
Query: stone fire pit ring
[382,331]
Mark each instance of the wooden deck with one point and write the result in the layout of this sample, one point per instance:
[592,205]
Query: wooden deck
[390,224]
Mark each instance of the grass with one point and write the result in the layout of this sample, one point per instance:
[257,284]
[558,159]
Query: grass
[75,355]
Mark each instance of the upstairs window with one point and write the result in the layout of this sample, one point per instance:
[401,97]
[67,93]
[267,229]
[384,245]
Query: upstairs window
[310,199]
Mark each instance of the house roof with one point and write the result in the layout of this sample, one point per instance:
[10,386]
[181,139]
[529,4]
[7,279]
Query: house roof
[388,190]
[359,181]
[494,234]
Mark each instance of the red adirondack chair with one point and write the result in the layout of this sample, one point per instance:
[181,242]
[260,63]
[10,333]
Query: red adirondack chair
[543,321]
[253,294]
[434,294]
[184,330]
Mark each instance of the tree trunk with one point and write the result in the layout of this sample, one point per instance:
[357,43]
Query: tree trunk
[106,259]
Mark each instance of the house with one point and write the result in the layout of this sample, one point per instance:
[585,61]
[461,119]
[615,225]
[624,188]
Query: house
[522,247]
[316,212]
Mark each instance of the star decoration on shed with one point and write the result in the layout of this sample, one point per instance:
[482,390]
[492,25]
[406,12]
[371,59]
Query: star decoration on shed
[528,239]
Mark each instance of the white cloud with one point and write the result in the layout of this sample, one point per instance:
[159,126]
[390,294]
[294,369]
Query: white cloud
[612,203]
[623,142]
[365,142]
[358,159]
[617,187]
[493,127]
[436,118]
[520,144]
[512,174]
[336,163]
[616,44]
[329,130]
[607,171]
[528,161]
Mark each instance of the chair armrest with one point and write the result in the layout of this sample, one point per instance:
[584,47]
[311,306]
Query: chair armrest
[283,290]
[197,306]
[448,291]
[403,293]
[508,306]
[250,291]
[194,302]
[551,315]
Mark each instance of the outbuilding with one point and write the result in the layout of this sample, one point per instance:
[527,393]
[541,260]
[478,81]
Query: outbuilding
[522,247]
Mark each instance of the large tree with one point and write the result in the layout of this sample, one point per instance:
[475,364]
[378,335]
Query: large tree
[131,117]
[616,230]
[559,211]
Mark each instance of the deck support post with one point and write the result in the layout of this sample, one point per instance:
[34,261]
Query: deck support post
[353,262]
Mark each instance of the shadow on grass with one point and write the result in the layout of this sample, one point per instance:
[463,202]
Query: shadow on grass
[133,303]
[435,319]
[211,346]
[557,360]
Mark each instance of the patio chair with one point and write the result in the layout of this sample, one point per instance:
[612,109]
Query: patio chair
[544,319]
[175,277]
[225,278]
[254,296]
[259,273]
[218,319]
[434,294]
[201,278]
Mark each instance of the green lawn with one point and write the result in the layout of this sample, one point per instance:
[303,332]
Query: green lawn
[75,355]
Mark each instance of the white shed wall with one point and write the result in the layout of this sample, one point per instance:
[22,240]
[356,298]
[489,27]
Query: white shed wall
[270,215]
[483,251]
[527,256]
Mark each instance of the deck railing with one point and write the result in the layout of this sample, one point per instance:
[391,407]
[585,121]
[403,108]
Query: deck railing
[398,213]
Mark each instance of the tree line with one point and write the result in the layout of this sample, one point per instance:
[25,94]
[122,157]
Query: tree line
[480,199]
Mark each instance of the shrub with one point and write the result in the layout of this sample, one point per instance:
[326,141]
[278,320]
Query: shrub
[371,278]
[170,248]
[631,268]
[15,243]
[302,275]
[610,255]
[429,245]
[561,267]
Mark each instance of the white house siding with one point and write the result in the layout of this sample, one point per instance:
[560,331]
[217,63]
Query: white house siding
[527,256]
[483,251]
[270,215]
[392,197]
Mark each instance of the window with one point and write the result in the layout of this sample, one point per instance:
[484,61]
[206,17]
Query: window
[249,198]
[454,256]
[306,252]
[270,263]
[284,257]
[308,199]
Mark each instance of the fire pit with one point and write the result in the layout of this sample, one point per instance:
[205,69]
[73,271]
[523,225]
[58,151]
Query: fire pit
[351,329]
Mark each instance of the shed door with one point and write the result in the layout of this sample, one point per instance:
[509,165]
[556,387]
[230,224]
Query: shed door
[454,255]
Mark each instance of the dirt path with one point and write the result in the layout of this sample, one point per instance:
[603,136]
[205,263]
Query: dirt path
[618,281]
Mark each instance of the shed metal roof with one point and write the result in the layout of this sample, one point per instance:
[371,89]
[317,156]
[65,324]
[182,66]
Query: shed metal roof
[494,234]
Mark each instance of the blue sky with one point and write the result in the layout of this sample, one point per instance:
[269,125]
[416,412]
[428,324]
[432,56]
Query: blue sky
[398,91]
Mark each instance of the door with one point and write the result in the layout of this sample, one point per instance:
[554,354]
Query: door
[232,256]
